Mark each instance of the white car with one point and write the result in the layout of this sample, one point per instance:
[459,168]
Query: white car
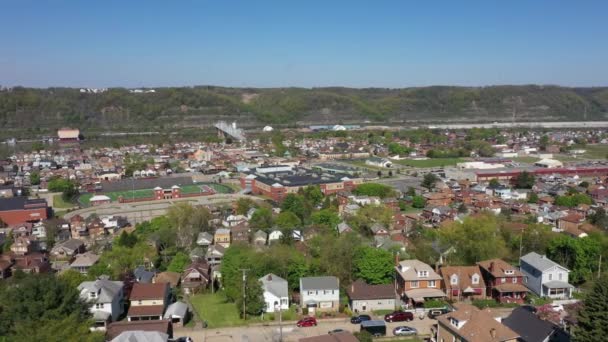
[557,307]
[404,331]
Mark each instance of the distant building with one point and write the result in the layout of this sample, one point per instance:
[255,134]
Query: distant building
[16,210]
[68,134]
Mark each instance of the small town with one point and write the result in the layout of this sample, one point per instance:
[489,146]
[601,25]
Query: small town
[479,234]
[303,171]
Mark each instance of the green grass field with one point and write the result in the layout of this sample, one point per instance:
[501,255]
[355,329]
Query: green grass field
[435,162]
[59,203]
[186,189]
[218,312]
[595,151]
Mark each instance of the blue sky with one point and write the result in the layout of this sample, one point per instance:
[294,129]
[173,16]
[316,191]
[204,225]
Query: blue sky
[259,43]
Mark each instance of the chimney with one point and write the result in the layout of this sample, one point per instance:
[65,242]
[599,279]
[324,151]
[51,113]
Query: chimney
[493,333]
[396,259]
[269,278]
[492,266]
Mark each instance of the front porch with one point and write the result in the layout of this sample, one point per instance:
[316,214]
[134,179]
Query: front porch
[510,293]
[557,289]
[415,298]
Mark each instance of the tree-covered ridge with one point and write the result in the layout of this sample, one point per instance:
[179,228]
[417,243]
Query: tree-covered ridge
[196,106]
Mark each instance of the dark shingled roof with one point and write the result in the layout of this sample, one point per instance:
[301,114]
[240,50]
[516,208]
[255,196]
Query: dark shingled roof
[531,328]
[20,203]
[359,290]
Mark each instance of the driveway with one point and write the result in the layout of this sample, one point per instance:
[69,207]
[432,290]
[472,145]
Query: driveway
[291,333]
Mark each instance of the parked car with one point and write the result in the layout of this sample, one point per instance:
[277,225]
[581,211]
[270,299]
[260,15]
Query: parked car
[360,318]
[437,312]
[404,331]
[335,331]
[399,316]
[307,322]
[557,307]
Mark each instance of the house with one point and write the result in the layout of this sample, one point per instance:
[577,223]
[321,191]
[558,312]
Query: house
[342,336]
[545,277]
[67,249]
[320,294]
[503,281]
[177,313]
[5,268]
[140,335]
[20,209]
[276,292]
[105,298]
[195,277]
[259,238]
[82,262]
[366,298]
[240,233]
[148,301]
[438,198]
[204,239]
[115,329]
[571,224]
[379,230]
[99,200]
[533,329]
[214,254]
[31,263]
[468,323]
[417,281]
[222,237]
[23,245]
[463,282]
[343,227]
[275,235]
[142,275]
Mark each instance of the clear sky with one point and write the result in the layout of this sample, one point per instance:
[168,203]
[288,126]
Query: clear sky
[307,43]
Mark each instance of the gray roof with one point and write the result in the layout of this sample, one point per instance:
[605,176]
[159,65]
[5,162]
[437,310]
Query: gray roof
[529,326]
[260,234]
[85,260]
[106,289]
[275,285]
[204,237]
[319,283]
[177,309]
[71,244]
[141,336]
[540,262]
[556,284]
[142,275]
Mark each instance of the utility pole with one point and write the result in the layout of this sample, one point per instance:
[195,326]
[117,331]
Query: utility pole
[599,268]
[280,323]
[244,270]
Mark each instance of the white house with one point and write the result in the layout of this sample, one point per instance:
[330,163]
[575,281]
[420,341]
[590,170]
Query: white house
[275,235]
[545,277]
[106,300]
[320,293]
[276,292]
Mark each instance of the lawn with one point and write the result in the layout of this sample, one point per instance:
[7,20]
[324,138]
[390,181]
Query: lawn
[59,203]
[218,312]
[434,162]
[595,151]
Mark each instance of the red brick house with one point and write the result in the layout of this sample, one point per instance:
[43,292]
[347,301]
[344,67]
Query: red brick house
[463,282]
[504,282]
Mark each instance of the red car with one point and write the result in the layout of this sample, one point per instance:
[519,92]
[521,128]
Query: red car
[307,322]
[399,316]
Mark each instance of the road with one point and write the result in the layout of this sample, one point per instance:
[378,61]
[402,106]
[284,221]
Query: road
[291,333]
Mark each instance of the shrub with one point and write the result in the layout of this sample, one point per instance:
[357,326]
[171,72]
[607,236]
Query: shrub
[435,303]
[485,303]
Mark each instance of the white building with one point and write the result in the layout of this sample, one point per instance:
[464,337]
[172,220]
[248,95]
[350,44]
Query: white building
[545,277]
[320,294]
[105,298]
[549,163]
[276,292]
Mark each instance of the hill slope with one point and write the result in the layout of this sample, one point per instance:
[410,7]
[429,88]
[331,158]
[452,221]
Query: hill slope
[117,108]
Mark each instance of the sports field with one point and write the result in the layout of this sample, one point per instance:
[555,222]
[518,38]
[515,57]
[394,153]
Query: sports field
[144,193]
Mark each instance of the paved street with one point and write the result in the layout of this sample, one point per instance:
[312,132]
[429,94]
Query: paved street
[290,331]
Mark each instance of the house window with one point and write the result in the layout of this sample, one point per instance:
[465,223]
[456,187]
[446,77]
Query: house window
[423,274]
[514,279]
[310,292]
[509,271]
[283,301]
[475,279]
[550,276]
[503,280]
[559,275]
[526,279]
[431,283]
[99,306]
[93,294]
[454,279]
[414,284]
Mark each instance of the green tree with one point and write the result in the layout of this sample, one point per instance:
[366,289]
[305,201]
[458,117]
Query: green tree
[599,218]
[368,215]
[533,197]
[418,202]
[261,219]
[126,240]
[592,319]
[429,181]
[374,265]
[298,205]
[254,297]
[374,189]
[243,205]
[119,261]
[335,255]
[579,255]
[325,217]
[313,194]
[30,300]
[69,328]
[543,142]
[72,277]
[475,239]
[37,146]
[35,178]
[188,221]
[179,262]
[288,220]
[494,183]
[524,180]
[237,257]
[573,200]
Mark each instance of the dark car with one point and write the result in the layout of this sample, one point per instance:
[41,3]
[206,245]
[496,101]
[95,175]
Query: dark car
[335,331]
[307,322]
[360,318]
[437,312]
[399,316]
